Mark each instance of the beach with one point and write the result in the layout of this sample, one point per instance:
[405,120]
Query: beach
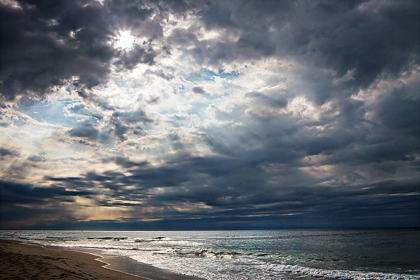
[213,255]
[24,261]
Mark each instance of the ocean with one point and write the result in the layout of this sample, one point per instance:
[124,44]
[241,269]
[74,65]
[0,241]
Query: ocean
[267,254]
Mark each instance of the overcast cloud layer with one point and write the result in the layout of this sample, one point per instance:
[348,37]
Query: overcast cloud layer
[221,115]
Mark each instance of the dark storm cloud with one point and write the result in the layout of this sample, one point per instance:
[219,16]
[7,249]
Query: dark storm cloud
[137,55]
[33,217]
[45,44]
[85,129]
[361,36]
[8,152]
[125,162]
[400,112]
[240,184]
[199,90]
[37,158]
[82,109]
[354,162]
[120,125]
[54,54]
[136,116]
[134,11]
[128,122]
[265,100]
[27,194]
[72,38]
[237,189]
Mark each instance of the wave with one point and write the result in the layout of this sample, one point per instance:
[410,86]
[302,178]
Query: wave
[120,238]
[99,247]
[101,238]
[141,240]
[109,238]
[61,238]
[208,254]
[340,274]
[160,238]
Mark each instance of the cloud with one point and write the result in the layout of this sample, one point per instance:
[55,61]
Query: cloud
[136,116]
[85,56]
[85,130]
[8,152]
[75,36]
[37,158]
[265,100]
[27,194]
[267,113]
[198,90]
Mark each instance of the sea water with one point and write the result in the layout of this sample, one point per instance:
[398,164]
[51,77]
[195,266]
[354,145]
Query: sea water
[268,254]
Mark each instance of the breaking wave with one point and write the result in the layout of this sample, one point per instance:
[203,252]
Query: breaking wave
[339,274]
[207,254]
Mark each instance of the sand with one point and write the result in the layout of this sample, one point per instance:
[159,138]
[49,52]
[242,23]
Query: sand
[23,261]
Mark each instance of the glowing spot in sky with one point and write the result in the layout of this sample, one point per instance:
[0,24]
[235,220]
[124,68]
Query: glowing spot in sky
[125,41]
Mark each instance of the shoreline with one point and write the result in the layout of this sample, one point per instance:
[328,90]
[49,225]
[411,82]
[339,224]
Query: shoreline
[210,263]
[26,261]
[120,267]
[128,265]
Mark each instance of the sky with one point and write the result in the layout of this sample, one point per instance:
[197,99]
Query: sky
[187,114]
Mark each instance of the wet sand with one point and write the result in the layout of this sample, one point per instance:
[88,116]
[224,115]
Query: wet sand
[23,261]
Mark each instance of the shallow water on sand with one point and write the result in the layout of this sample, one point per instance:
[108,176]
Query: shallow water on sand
[273,254]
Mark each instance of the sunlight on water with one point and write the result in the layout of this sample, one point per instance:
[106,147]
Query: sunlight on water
[283,254]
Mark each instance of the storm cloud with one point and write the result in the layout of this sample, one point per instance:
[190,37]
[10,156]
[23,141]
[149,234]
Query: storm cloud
[209,114]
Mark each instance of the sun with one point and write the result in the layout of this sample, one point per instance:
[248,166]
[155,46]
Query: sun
[124,41]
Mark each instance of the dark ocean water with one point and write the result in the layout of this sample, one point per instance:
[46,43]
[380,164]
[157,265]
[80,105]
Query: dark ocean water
[271,254]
